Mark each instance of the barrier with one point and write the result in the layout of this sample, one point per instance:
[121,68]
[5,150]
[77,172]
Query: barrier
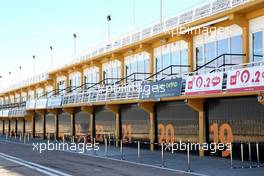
[242,155]
[138,152]
[249,154]
[188,158]
[162,155]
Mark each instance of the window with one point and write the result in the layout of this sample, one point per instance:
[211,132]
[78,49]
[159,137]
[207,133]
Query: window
[257,46]
[236,48]
[199,56]
[223,48]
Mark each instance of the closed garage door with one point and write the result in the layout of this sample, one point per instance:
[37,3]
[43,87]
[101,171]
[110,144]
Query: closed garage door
[176,122]
[135,123]
[104,123]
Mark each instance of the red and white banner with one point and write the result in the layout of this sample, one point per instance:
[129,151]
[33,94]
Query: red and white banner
[204,84]
[245,80]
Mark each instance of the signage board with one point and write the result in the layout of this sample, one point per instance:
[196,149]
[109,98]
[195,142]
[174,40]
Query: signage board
[204,84]
[245,79]
[161,89]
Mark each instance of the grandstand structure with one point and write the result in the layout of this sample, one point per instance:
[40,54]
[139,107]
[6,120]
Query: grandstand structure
[197,76]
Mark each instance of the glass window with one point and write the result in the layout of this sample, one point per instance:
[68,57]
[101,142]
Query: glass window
[236,48]
[222,48]
[257,46]
[176,58]
[199,56]
[184,60]
[209,51]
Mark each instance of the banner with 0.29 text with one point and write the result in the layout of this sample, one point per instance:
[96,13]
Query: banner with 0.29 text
[204,84]
[245,80]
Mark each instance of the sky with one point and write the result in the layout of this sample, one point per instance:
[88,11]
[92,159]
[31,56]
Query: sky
[30,27]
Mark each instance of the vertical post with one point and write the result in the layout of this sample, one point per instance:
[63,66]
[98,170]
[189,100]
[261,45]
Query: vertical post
[121,149]
[56,135]
[231,156]
[117,128]
[43,125]
[242,155]
[190,54]
[245,42]
[138,152]
[162,155]
[105,143]
[257,150]
[188,157]
[249,155]
[202,127]
[152,130]
[94,141]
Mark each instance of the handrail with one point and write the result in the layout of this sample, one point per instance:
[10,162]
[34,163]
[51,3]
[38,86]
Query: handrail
[132,74]
[166,68]
[220,56]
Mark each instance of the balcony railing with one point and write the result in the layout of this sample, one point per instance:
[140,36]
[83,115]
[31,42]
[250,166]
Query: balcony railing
[102,94]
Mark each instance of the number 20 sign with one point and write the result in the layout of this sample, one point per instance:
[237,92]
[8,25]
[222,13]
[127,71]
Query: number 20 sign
[247,79]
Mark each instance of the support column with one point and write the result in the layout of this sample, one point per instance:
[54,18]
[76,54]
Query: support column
[243,22]
[245,42]
[190,54]
[149,108]
[90,111]
[24,126]
[115,110]
[15,126]
[3,127]
[198,105]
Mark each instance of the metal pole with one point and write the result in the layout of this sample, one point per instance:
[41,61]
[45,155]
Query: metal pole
[138,152]
[63,138]
[160,11]
[231,156]
[134,13]
[188,158]
[15,135]
[121,149]
[28,136]
[257,149]
[93,146]
[109,140]
[25,139]
[20,137]
[162,155]
[6,136]
[242,155]
[249,155]
[105,143]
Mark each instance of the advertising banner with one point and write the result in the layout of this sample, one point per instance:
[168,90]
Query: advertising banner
[54,102]
[245,79]
[161,89]
[204,84]
[41,103]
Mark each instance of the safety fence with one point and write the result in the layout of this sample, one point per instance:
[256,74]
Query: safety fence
[246,155]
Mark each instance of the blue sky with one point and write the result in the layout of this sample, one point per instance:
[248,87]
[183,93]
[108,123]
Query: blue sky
[29,27]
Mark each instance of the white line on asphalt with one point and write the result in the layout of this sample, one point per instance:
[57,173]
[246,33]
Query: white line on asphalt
[33,166]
